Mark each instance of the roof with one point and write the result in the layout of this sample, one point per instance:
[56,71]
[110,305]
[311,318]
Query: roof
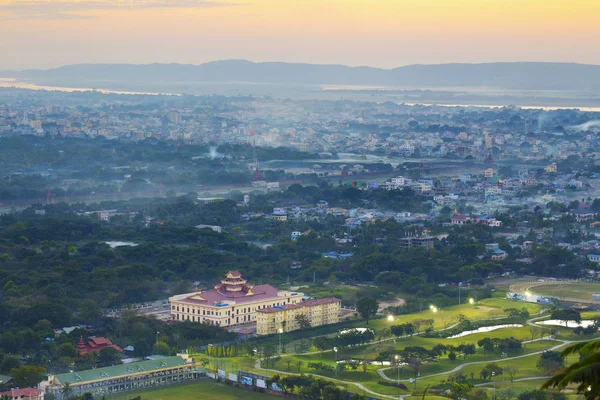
[211,297]
[4,379]
[309,303]
[25,392]
[119,370]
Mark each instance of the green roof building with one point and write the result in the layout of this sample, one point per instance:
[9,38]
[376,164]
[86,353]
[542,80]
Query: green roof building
[122,378]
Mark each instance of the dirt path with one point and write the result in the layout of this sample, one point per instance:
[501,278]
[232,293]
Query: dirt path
[524,287]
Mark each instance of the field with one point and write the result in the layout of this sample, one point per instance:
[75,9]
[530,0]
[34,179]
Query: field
[366,379]
[568,290]
[193,391]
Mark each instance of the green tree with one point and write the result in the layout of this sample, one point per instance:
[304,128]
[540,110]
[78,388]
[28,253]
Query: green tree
[302,321]
[584,373]
[550,362]
[566,315]
[27,375]
[367,308]
[90,311]
[9,363]
[161,348]
[66,350]
[109,356]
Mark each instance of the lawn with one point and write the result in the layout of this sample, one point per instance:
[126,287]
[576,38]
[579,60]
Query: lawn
[192,391]
[575,290]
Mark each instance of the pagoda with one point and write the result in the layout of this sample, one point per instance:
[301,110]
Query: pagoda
[234,285]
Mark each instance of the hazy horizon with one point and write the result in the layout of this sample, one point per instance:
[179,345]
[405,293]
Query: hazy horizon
[37,34]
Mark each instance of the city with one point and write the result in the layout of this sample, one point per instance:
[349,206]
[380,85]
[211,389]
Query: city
[332,199]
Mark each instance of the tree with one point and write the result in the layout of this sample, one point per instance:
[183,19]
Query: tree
[535,331]
[299,365]
[67,391]
[584,372]
[323,343]
[491,369]
[367,307]
[66,350]
[459,390]
[511,372]
[90,311]
[302,321]
[550,362]
[161,348]
[9,363]
[566,315]
[27,375]
[109,356]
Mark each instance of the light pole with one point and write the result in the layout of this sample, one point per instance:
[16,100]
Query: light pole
[208,348]
[280,333]
[397,368]
[335,350]
[494,381]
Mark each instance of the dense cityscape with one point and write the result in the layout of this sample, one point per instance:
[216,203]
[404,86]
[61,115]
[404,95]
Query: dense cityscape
[303,200]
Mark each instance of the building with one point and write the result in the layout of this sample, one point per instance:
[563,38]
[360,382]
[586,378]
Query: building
[102,382]
[95,345]
[232,302]
[583,215]
[595,258]
[551,168]
[499,255]
[23,394]
[459,219]
[417,241]
[215,228]
[286,318]
[489,173]
[174,117]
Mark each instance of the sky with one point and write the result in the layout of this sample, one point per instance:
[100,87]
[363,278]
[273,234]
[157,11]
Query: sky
[381,33]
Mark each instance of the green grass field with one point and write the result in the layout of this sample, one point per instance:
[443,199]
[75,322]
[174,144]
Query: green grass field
[484,309]
[575,290]
[206,388]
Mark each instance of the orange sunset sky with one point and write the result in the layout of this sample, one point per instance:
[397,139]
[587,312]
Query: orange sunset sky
[383,33]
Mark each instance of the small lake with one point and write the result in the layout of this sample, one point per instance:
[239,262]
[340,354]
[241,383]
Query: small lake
[485,329]
[570,324]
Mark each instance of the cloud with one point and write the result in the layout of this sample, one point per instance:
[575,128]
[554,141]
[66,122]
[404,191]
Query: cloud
[77,9]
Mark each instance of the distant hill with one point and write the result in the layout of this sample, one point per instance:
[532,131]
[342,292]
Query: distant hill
[519,75]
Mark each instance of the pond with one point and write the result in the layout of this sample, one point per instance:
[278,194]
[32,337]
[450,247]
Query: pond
[570,324]
[485,329]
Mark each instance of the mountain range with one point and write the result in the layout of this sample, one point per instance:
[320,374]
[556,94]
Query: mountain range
[507,76]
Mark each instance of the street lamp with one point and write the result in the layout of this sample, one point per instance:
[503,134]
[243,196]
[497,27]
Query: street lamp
[390,318]
[471,300]
[397,368]
[434,309]
[208,347]
[335,351]
[494,374]
[280,332]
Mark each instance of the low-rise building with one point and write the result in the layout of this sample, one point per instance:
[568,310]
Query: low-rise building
[289,317]
[416,241]
[23,394]
[102,382]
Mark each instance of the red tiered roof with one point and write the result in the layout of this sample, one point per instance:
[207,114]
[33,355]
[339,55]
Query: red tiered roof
[95,345]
